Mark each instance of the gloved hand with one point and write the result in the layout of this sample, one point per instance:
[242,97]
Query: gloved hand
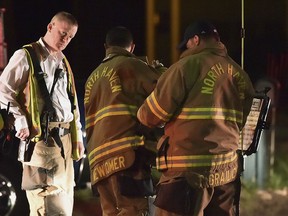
[157,65]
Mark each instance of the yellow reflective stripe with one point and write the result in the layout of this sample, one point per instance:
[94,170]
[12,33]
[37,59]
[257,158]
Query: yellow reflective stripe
[1,122]
[112,110]
[157,109]
[33,102]
[211,113]
[114,146]
[36,139]
[195,160]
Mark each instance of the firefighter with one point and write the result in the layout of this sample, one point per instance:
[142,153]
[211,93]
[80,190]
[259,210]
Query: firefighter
[39,83]
[202,101]
[119,161]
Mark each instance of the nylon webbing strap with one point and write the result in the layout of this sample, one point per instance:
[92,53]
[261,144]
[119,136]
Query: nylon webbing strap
[39,74]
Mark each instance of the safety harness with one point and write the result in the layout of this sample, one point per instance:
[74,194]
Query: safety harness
[48,113]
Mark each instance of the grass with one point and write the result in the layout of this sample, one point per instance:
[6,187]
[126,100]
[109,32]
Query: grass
[279,178]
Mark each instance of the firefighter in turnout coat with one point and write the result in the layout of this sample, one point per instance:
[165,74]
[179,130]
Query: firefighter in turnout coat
[118,157]
[202,102]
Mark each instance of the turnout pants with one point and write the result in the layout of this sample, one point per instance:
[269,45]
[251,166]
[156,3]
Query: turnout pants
[218,200]
[115,204]
[49,179]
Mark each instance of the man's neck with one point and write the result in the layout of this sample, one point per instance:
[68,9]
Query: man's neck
[50,49]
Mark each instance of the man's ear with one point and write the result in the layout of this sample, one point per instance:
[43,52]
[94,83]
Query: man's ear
[49,27]
[196,39]
[132,47]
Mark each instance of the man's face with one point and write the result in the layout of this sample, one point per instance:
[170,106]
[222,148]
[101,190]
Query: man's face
[61,33]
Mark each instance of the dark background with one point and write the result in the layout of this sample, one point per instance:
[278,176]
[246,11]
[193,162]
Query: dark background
[265,47]
[26,21]
[265,43]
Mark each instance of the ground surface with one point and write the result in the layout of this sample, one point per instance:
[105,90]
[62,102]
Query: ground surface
[259,203]
[265,203]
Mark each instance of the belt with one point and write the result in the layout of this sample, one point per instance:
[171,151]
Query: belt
[63,131]
[62,128]
[59,125]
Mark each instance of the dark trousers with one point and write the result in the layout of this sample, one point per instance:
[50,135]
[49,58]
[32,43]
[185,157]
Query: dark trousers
[113,203]
[218,200]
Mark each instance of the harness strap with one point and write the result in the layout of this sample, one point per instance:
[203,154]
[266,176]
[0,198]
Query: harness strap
[39,74]
[48,111]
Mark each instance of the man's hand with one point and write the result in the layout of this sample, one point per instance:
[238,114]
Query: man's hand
[23,133]
[158,66]
[156,63]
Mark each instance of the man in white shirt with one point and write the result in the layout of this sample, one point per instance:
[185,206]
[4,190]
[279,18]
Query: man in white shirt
[48,175]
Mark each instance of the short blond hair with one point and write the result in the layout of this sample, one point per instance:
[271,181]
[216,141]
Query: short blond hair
[65,16]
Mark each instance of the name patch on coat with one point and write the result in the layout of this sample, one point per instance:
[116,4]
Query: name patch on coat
[221,178]
[108,167]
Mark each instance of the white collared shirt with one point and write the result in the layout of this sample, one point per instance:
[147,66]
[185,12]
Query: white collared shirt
[15,77]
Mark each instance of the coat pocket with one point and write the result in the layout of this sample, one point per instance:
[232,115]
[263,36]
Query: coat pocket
[38,172]
[43,156]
